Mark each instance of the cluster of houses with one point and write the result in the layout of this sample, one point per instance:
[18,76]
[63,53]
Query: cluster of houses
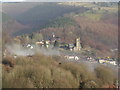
[43,43]
[103,60]
[72,47]
[90,59]
[49,42]
[107,61]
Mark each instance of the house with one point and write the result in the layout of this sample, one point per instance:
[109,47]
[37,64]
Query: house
[71,47]
[47,42]
[112,62]
[70,57]
[29,46]
[90,59]
[43,43]
[101,61]
[76,58]
[40,43]
[107,61]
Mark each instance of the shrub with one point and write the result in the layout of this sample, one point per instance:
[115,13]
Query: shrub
[44,60]
[77,70]
[15,79]
[24,61]
[91,84]
[42,77]
[63,79]
[105,74]
[9,61]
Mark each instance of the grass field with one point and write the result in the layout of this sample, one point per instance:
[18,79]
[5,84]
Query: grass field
[92,16]
[97,14]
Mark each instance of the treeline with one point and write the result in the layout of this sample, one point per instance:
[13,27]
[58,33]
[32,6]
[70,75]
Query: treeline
[60,22]
[106,4]
[41,14]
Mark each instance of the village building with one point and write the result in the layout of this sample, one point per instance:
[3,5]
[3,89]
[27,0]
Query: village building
[72,57]
[78,45]
[29,46]
[47,43]
[71,47]
[107,61]
[43,43]
[40,43]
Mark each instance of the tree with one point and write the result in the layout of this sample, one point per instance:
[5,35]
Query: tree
[56,44]
[36,37]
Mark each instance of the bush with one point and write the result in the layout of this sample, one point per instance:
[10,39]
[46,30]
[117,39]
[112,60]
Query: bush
[44,60]
[15,79]
[63,79]
[91,84]
[9,61]
[105,75]
[78,70]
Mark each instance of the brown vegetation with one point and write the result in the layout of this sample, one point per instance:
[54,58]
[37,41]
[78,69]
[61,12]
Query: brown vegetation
[12,26]
[42,71]
[9,61]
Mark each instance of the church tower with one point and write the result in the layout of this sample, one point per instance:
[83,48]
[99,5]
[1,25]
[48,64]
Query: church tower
[78,45]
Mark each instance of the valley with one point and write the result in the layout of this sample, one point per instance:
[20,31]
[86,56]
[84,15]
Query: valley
[46,44]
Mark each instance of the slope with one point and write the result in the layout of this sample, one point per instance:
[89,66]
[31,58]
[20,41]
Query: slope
[10,25]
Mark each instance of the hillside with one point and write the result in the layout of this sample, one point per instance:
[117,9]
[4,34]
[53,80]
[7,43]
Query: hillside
[5,17]
[36,15]
[96,26]
[15,9]
[60,45]
[100,34]
[45,12]
[10,25]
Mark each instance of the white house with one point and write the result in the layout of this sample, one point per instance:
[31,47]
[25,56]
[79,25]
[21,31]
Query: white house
[29,46]
[72,57]
[101,61]
[112,62]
